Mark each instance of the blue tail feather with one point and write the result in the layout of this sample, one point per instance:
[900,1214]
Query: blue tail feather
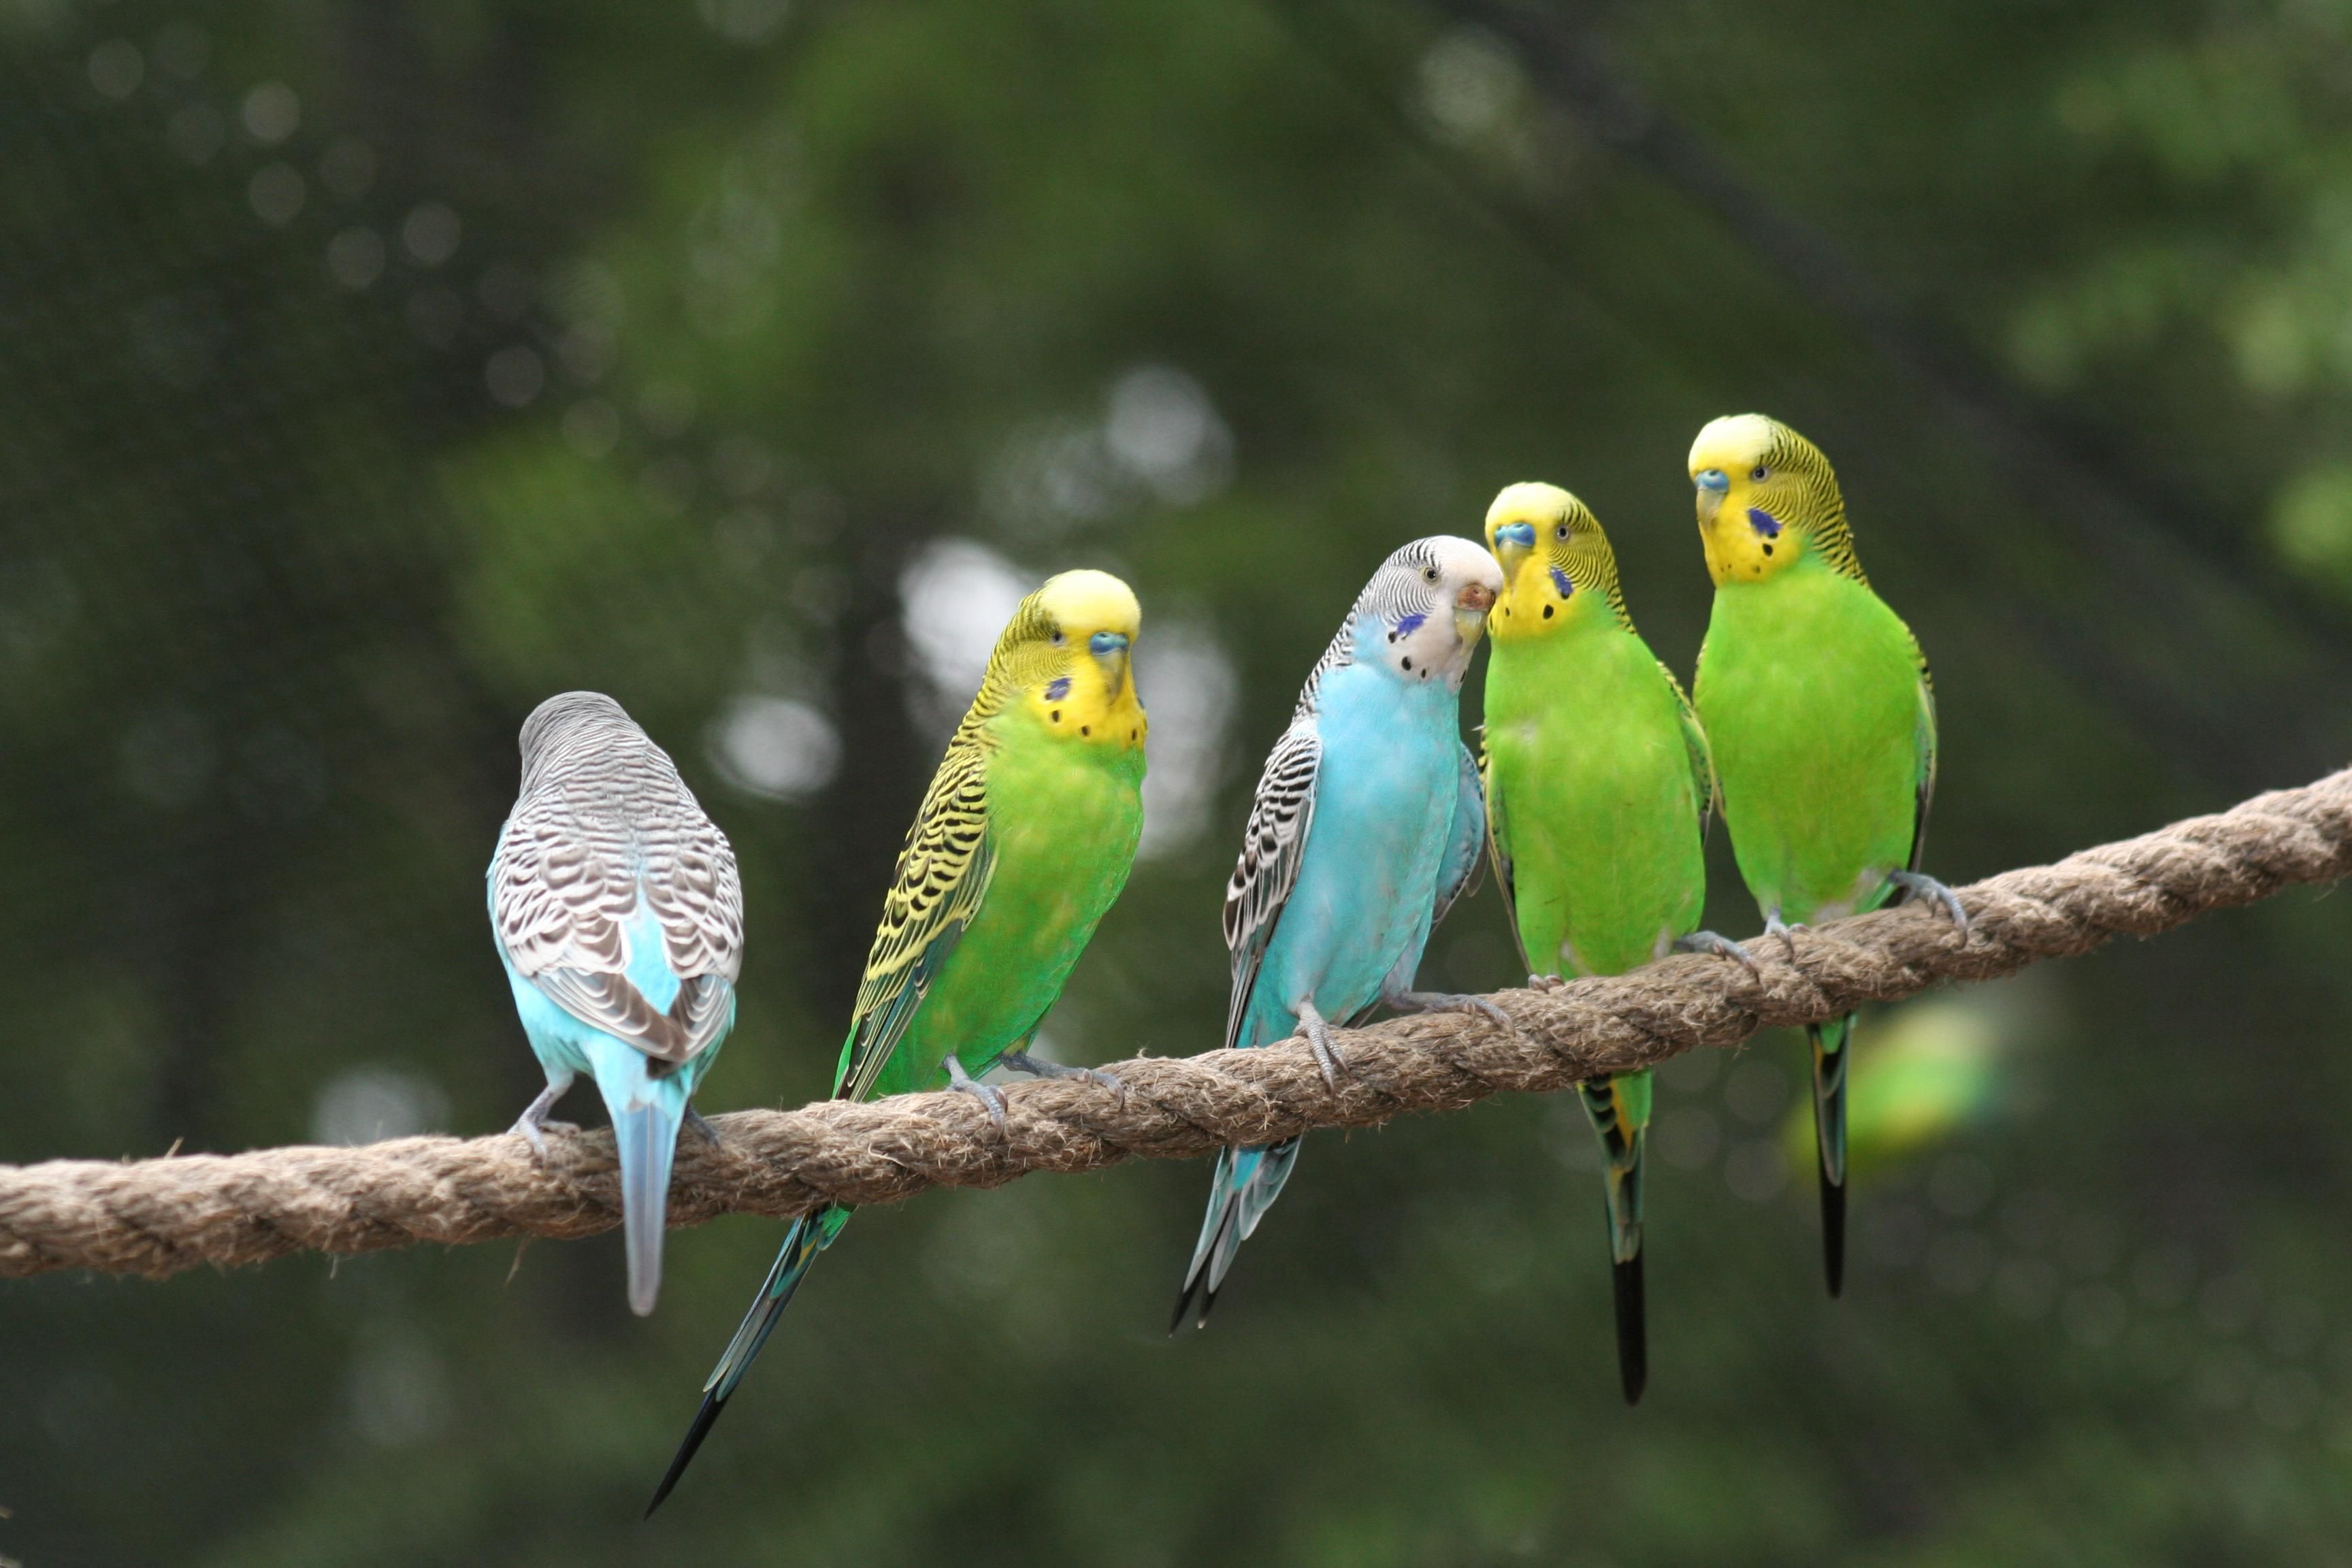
[1244,1186]
[647,1135]
[646,1112]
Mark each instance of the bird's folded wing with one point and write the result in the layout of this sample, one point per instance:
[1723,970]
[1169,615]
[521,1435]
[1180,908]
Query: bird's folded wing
[1465,850]
[1702,756]
[1272,843]
[608,1002]
[563,893]
[1499,845]
[1927,744]
[942,876]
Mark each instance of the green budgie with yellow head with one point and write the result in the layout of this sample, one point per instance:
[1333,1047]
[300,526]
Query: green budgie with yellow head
[1023,843]
[1598,793]
[1816,699]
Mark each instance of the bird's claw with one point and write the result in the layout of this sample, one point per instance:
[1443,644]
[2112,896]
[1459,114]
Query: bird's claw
[1723,946]
[533,1130]
[1917,885]
[1494,1014]
[1775,926]
[702,1128]
[1544,982]
[1449,1002]
[534,1118]
[1037,1067]
[962,1083]
[1312,1025]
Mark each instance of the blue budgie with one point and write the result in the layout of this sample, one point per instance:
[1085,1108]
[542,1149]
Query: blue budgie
[1368,824]
[620,921]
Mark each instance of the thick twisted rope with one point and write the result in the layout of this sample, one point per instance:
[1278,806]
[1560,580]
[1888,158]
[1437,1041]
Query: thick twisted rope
[157,1216]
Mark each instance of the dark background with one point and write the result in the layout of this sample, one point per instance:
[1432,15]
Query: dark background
[370,370]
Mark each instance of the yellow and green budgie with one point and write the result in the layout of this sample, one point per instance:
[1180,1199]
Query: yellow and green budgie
[1598,795]
[1023,843]
[1816,699]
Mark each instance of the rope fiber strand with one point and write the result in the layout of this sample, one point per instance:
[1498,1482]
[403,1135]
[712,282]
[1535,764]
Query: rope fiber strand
[156,1217]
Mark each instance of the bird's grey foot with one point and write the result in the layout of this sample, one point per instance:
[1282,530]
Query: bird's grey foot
[1037,1067]
[1544,982]
[1915,885]
[1775,926]
[1317,1031]
[533,1121]
[1447,1002]
[962,1083]
[1709,942]
[702,1128]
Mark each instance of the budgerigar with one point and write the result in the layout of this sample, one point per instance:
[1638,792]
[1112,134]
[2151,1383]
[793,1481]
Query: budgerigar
[1816,700]
[620,921]
[1367,824]
[1023,843]
[1598,792]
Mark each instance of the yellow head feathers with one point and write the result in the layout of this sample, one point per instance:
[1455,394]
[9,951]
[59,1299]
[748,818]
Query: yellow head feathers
[1557,568]
[1767,498]
[1064,661]
[1083,603]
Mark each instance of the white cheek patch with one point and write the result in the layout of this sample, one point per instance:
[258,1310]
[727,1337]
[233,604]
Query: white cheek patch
[1424,652]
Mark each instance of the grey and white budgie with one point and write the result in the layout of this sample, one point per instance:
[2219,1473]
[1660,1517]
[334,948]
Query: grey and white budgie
[619,918]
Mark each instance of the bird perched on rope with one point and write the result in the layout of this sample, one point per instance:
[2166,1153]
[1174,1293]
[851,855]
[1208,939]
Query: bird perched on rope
[1367,824]
[619,918]
[1816,700]
[1598,794]
[1023,843]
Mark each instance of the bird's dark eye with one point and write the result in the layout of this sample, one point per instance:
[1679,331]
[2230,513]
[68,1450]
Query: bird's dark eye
[1429,574]
[1059,639]
[1757,473]
[1560,532]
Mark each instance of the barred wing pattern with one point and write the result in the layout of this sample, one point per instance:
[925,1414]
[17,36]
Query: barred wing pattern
[1272,844]
[942,879]
[604,825]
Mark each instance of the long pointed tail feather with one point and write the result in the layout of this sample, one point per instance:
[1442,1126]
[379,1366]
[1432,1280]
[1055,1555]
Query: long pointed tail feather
[1830,1043]
[1620,1108]
[810,1235]
[1633,1339]
[647,1137]
[1244,1186]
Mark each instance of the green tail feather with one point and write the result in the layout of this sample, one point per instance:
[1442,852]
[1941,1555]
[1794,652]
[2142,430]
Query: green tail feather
[1620,1110]
[810,1235]
[1830,1041]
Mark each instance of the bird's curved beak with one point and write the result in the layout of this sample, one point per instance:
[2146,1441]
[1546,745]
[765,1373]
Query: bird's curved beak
[1110,651]
[1513,543]
[1712,485]
[1470,608]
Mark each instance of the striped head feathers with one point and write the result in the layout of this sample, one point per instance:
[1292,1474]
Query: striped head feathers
[1558,567]
[1767,501]
[1424,611]
[1066,659]
[573,725]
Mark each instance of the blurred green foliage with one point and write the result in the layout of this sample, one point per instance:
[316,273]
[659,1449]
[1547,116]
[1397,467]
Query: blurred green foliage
[373,371]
